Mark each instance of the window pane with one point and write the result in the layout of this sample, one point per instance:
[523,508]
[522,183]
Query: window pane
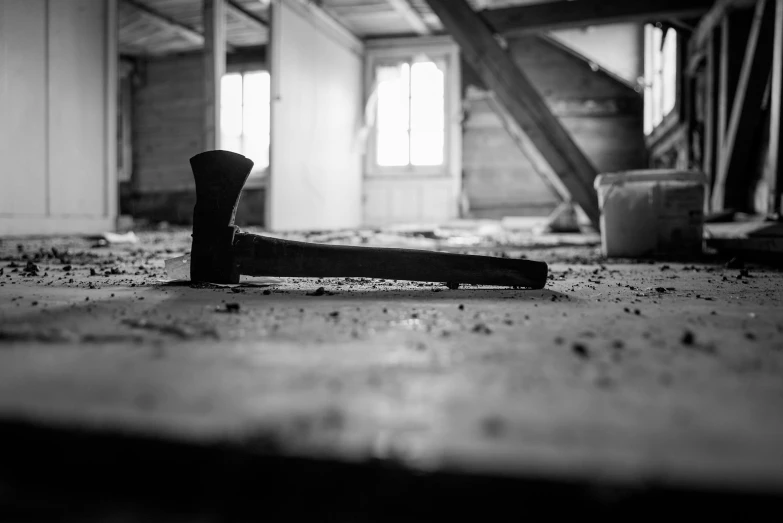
[231,107]
[427,80]
[256,147]
[427,113]
[231,89]
[231,120]
[231,143]
[392,148]
[427,147]
[256,88]
[669,72]
[393,96]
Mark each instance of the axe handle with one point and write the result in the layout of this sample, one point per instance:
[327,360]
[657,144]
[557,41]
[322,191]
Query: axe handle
[256,255]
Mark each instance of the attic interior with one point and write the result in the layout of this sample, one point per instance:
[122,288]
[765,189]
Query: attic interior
[490,258]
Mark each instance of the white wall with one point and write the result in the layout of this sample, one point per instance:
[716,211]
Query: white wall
[618,48]
[315,163]
[57,116]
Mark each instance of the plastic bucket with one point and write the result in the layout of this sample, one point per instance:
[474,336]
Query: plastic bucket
[651,213]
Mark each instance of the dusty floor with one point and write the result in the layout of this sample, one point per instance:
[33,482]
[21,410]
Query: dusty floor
[628,372]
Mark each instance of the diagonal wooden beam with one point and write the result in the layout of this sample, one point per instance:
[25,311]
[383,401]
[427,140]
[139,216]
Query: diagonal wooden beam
[245,14]
[561,14]
[520,98]
[167,23]
[411,15]
[732,183]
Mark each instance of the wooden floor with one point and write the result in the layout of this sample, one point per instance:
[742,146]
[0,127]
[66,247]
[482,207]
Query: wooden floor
[643,379]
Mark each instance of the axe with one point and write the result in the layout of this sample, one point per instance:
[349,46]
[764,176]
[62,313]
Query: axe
[221,252]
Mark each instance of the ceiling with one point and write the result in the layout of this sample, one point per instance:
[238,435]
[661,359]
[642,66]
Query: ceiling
[156,27]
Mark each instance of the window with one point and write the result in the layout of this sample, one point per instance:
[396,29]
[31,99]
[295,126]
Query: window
[408,112]
[660,71]
[244,116]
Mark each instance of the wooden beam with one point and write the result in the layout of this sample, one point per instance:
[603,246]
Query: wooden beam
[167,23]
[520,98]
[731,187]
[713,18]
[735,31]
[564,14]
[214,15]
[711,96]
[411,15]
[775,163]
[245,14]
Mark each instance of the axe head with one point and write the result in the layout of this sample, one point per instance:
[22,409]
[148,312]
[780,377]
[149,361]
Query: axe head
[219,176]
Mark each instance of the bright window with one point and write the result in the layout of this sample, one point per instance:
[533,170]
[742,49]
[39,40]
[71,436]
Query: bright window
[410,123]
[244,116]
[660,71]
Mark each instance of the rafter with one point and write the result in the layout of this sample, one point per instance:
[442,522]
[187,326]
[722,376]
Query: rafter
[245,14]
[411,15]
[164,22]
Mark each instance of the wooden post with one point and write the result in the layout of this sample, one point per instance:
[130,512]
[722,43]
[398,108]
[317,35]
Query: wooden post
[775,173]
[732,189]
[711,140]
[520,98]
[734,34]
[214,13]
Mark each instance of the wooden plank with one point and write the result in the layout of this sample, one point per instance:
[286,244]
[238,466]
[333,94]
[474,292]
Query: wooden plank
[248,16]
[214,12]
[166,23]
[522,101]
[411,15]
[561,14]
[711,92]
[731,187]
[775,163]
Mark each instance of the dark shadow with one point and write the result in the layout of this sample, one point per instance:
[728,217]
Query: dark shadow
[67,473]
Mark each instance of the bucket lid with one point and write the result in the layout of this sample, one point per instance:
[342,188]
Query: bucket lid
[650,175]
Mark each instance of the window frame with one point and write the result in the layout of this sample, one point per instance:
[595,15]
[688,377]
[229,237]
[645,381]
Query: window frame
[389,51]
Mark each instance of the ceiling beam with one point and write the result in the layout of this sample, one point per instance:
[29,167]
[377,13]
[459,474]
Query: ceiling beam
[245,14]
[524,103]
[411,15]
[167,23]
[563,14]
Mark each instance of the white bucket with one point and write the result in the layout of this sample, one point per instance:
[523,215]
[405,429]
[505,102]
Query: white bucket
[651,213]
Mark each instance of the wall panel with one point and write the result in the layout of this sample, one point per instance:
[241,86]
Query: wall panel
[23,108]
[315,168]
[57,116]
